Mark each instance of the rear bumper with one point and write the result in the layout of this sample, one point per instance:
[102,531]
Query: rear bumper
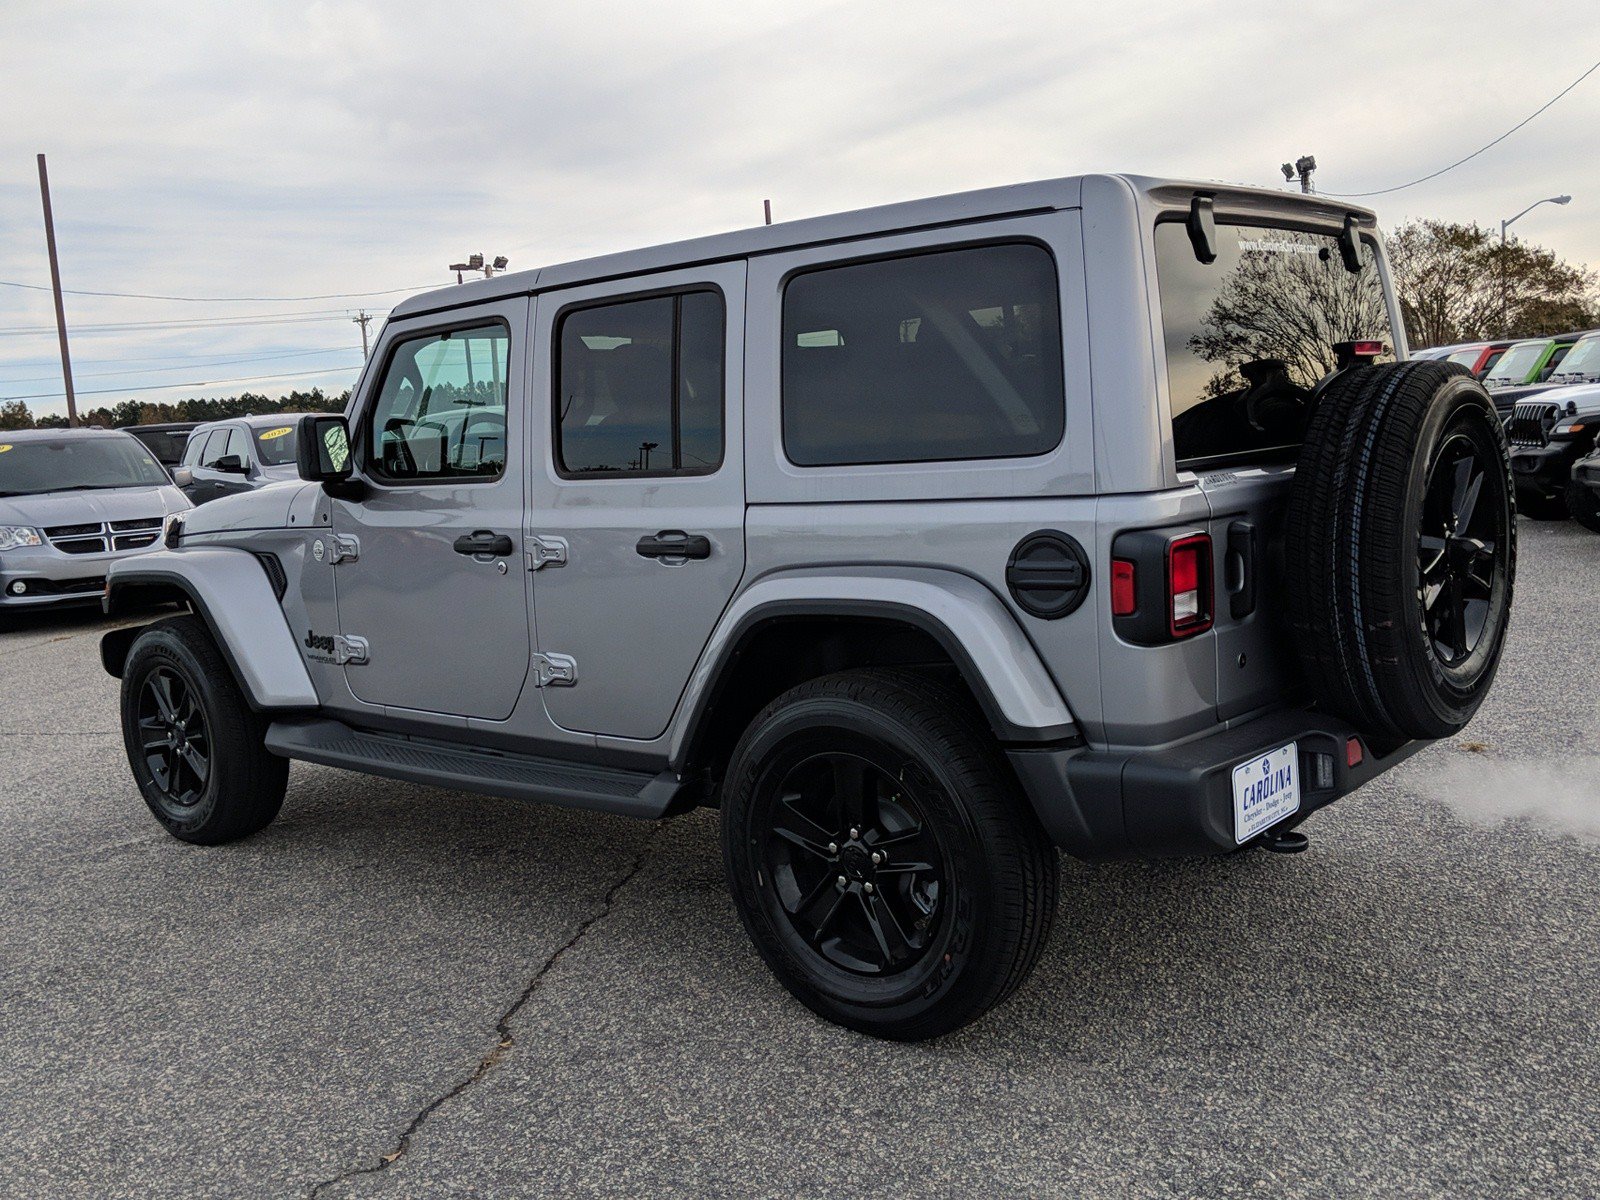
[1544,469]
[1179,801]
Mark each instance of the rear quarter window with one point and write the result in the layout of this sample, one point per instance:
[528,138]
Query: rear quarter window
[932,357]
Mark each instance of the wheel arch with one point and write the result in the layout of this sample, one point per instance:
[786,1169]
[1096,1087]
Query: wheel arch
[787,629]
[230,592]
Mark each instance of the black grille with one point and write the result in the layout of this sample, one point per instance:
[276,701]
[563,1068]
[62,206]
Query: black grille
[133,541]
[84,545]
[67,531]
[274,569]
[1531,423]
[141,523]
[65,587]
[134,534]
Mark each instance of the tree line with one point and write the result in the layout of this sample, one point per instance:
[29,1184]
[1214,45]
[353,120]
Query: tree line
[15,414]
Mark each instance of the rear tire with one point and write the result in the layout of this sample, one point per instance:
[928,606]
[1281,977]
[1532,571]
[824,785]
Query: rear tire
[1402,548]
[197,751]
[889,783]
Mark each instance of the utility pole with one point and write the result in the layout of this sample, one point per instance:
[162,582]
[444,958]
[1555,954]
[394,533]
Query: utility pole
[362,321]
[766,210]
[55,285]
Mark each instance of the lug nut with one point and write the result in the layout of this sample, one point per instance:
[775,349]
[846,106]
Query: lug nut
[843,882]
[868,888]
[833,847]
[876,858]
[855,834]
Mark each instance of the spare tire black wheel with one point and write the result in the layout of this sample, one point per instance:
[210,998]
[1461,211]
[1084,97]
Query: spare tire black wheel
[1401,548]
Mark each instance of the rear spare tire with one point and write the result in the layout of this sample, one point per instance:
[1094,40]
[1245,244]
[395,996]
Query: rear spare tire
[1401,548]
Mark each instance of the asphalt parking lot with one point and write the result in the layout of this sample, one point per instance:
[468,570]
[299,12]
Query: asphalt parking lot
[395,991]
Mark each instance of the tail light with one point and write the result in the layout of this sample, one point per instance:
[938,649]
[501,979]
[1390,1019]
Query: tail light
[1161,585]
[1189,585]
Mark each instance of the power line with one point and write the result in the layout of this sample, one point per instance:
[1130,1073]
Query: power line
[1403,186]
[227,362]
[37,287]
[240,322]
[158,387]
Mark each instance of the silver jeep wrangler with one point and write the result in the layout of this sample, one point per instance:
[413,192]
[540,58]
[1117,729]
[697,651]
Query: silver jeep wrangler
[922,541]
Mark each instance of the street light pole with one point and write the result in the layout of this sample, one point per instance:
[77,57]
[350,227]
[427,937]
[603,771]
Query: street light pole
[1505,305]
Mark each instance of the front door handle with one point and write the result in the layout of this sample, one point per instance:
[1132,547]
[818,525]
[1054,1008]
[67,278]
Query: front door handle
[484,541]
[674,543]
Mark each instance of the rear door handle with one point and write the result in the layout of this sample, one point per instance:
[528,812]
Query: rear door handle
[484,541]
[674,543]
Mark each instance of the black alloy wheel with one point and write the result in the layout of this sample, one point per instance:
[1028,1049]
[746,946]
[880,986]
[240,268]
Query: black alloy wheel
[174,738]
[854,865]
[1460,547]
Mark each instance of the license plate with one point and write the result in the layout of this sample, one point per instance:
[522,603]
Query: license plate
[1265,791]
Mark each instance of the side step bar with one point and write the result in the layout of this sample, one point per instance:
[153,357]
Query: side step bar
[472,769]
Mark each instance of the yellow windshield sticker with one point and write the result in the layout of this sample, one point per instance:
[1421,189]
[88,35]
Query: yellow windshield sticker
[3,449]
[275,433]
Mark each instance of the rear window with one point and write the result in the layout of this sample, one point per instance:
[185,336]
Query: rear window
[933,357]
[1249,335]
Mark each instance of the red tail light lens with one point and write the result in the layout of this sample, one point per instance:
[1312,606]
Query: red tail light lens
[1189,585]
[1124,595]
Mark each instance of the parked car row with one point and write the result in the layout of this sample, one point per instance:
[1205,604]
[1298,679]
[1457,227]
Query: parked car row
[1512,369]
[73,501]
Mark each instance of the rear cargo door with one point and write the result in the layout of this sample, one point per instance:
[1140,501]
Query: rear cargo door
[1256,662]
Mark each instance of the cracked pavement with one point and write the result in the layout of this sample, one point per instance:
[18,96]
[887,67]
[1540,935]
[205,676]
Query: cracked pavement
[534,1001]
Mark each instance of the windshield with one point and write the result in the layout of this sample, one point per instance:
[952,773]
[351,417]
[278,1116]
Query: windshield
[275,446]
[1518,362]
[1466,358]
[70,462]
[1249,335]
[1582,360]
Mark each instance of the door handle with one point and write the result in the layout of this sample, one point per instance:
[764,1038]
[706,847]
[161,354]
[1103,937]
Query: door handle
[674,543]
[484,541]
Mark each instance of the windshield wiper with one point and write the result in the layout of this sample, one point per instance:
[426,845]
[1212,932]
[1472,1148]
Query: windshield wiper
[90,487]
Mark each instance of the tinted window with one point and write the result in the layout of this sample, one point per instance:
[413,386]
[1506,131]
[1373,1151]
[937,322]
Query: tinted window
[954,355]
[1249,335]
[441,409]
[216,447]
[640,386]
[237,445]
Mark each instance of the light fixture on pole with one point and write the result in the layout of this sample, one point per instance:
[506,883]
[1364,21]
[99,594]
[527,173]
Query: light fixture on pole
[1505,319]
[476,263]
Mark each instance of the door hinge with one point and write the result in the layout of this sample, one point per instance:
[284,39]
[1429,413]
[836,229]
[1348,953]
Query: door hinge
[554,670]
[342,547]
[546,551]
[349,649]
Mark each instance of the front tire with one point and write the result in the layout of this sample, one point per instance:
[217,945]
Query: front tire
[197,752]
[881,856]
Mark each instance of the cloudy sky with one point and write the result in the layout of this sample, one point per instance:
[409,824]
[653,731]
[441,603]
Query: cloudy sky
[282,149]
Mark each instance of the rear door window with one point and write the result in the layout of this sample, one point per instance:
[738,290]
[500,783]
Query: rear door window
[1249,335]
[927,358]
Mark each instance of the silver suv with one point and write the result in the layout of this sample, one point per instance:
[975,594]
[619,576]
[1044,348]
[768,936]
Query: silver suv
[224,458]
[72,503]
[922,541]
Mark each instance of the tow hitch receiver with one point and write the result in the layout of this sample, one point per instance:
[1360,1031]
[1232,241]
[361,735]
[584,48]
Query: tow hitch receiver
[1290,841]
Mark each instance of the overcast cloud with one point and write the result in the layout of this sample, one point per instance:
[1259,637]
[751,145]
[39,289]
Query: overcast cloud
[269,149]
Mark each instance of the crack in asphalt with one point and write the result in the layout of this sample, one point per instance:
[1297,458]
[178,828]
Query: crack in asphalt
[507,1040]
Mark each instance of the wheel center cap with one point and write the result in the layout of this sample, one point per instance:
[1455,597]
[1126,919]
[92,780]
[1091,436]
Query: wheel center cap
[856,862]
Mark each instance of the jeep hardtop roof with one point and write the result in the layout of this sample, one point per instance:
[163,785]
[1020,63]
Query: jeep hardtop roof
[987,203]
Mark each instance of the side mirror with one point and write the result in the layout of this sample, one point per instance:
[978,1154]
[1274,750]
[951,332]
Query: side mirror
[232,464]
[183,476]
[322,449]
[1202,226]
